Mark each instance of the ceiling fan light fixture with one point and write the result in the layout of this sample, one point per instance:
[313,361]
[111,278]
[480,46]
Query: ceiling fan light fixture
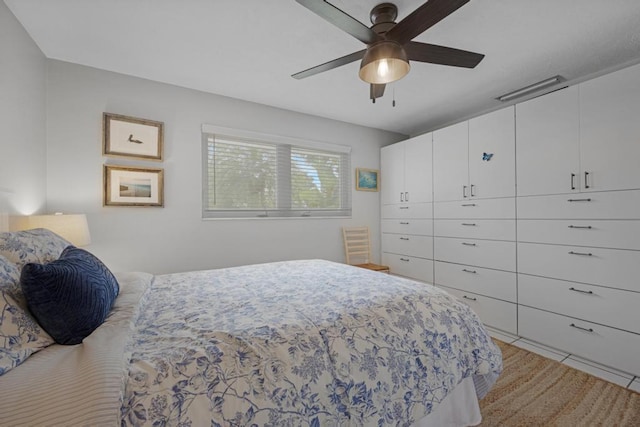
[384,62]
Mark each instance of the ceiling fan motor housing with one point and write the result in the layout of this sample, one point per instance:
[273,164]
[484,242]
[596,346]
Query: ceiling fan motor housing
[383,17]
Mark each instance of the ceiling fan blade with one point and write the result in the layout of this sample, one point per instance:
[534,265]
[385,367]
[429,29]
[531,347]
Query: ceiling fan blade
[434,54]
[345,22]
[347,59]
[427,15]
[376,91]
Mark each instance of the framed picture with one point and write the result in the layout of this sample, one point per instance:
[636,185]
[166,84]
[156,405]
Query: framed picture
[366,179]
[124,136]
[132,186]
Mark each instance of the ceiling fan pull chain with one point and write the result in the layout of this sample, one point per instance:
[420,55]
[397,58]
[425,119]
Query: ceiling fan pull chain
[394,97]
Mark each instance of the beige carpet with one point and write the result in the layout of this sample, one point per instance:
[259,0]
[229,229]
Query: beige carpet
[536,391]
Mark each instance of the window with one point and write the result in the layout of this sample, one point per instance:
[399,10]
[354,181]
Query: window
[253,175]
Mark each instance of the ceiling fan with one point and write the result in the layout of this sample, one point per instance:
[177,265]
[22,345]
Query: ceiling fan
[389,45]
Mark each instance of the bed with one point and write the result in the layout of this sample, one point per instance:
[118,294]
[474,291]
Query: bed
[294,343]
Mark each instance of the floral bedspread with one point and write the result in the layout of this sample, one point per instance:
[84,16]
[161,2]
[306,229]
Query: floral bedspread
[299,343]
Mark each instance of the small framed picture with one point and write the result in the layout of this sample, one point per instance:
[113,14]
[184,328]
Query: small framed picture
[124,136]
[133,186]
[367,179]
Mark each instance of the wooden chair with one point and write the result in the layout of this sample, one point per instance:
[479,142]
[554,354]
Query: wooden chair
[358,250]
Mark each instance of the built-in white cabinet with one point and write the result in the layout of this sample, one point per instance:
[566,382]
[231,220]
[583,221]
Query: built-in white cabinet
[547,135]
[474,215]
[475,159]
[392,174]
[406,171]
[610,131]
[451,163]
[492,155]
[407,210]
[581,139]
[535,218]
[578,250]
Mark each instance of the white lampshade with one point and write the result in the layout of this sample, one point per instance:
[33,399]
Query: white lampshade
[73,228]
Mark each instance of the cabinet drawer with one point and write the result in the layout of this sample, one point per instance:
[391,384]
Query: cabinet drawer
[404,244]
[408,210]
[599,233]
[414,268]
[503,208]
[611,307]
[606,267]
[601,344]
[499,314]
[481,253]
[493,229]
[420,227]
[605,205]
[482,281]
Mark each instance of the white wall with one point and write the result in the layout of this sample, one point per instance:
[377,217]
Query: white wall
[22,116]
[175,238]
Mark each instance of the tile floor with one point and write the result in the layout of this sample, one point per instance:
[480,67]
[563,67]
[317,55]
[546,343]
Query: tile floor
[609,374]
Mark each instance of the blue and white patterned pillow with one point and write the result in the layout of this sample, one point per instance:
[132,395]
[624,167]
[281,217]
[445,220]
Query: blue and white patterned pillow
[9,275]
[70,296]
[20,334]
[38,245]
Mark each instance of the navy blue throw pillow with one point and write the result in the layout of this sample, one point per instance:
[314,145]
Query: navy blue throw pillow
[70,297]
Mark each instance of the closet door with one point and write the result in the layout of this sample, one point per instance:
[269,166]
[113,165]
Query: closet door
[451,163]
[418,161]
[547,141]
[492,157]
[610,131]
[392,175]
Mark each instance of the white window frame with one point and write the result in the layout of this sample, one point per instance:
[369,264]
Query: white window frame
[283,209]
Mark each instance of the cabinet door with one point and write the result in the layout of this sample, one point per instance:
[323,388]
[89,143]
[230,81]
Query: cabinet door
[547,135]
[418,168]
[610,131]
[492,135]
[451,163]
[392,173]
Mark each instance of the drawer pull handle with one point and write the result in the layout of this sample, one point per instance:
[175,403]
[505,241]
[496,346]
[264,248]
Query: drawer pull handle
[404,259]
[473,186]
[402,197]
[404,207]
[587,227]
[468,204]
[573,184]
[404,223]
[404,238]
[581,291]
[580,253]
[578,200]
[469,224]
[586,180]
[469,271]
[581,328]
[471,298]
[468,244]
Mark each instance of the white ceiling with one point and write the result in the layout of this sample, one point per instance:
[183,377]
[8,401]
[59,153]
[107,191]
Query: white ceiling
[248,49]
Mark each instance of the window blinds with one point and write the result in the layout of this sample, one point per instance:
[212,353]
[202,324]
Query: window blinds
[274,177]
